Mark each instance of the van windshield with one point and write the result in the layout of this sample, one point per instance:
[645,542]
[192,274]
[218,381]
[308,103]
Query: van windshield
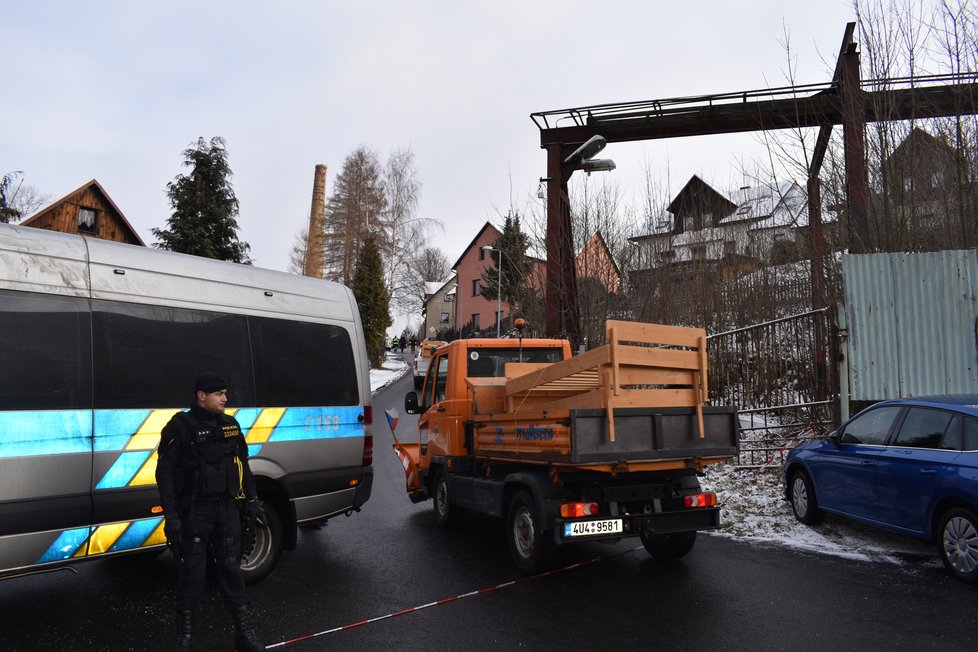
[489,363]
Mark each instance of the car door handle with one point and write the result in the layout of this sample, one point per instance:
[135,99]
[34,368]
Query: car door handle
[928,471]
[868,462]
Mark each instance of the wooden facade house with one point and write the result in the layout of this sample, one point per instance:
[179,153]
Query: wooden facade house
[87,211]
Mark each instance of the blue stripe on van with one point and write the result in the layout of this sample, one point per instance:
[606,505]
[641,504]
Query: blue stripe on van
[45,432]
[319,423]
[65,546]
[136,534]
[115,427]
[123,469]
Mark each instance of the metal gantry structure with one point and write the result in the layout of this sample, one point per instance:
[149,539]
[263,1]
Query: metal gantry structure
[846,100]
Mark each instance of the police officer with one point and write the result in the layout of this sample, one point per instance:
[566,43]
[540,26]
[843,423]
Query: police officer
[205,483]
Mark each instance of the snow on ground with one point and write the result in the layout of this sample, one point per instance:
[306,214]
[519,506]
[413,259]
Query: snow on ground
[753,509]
[394,367]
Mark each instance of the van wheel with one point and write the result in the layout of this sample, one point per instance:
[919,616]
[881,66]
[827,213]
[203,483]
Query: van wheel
[958,543]
[531,549]
[268,548]
[447,514]
[669,546]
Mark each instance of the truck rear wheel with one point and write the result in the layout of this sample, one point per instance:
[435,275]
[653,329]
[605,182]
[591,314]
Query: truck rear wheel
[669,546]
[531,549]
[447,514]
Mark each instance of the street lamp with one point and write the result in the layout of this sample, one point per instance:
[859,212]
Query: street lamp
[499,289]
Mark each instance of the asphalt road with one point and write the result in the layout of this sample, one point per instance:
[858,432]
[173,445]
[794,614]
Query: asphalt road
[359,582]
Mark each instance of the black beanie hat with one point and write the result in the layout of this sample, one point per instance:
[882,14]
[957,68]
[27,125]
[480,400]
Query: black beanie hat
[209,382]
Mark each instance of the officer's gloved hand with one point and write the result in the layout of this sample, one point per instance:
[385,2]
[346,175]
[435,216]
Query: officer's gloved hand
[173,530]
[256,512]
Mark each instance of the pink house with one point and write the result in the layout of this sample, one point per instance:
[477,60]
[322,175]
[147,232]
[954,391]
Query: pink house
[471,308]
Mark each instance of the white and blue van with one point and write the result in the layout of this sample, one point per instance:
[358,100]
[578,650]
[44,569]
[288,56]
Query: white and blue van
[100,343]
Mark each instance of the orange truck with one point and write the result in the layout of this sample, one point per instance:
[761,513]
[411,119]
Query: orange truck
[602,445]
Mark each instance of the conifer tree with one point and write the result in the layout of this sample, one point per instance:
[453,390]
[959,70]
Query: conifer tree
[371,295]
[513,242]
[204,207]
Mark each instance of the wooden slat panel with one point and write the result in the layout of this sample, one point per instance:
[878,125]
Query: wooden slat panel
[669,358]
[630,375]
[516,369]
[628,331]
[587,360]
[656,398]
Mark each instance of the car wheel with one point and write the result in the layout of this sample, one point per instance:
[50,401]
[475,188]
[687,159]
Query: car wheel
[669,546]
[958,542]
[263,558]
[447,514]
[531,549]
[803,501]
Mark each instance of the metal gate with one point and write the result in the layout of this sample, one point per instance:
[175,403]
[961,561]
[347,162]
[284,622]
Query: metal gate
[769,372]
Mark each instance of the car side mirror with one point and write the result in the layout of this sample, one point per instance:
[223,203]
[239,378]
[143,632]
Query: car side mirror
[411,403]
[835,437]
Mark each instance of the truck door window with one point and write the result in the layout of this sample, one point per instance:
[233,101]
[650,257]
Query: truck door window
[441,378]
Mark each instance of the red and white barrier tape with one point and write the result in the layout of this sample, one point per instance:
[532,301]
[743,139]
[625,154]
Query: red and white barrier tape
[403,612]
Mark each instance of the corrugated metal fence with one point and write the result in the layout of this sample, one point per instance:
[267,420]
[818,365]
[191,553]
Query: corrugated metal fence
[912,324]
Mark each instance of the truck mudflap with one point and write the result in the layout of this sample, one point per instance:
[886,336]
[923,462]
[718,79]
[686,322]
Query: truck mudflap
[687,520]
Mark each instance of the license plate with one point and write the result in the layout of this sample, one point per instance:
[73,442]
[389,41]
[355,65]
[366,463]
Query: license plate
[592,528]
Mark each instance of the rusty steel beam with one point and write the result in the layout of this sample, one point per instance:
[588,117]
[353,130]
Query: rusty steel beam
[814,111]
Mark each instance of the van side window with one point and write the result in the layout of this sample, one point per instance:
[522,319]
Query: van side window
[147,356]
[300,364]
[45,360]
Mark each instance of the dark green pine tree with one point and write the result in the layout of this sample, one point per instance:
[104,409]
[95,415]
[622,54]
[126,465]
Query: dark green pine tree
[515,266]
[204,207]
[371,296]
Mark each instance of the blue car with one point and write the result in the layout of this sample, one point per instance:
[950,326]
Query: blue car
[907,466]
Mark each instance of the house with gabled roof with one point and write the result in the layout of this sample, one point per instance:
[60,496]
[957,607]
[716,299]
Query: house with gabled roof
[731,235]
[88,211]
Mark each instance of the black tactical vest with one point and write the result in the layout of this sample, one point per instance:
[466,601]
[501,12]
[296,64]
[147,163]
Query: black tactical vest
[219,471]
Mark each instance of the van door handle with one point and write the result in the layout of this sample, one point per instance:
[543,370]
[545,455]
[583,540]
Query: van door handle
[440,409]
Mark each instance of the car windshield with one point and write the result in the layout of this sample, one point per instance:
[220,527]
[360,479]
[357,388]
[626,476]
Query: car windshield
[489,363]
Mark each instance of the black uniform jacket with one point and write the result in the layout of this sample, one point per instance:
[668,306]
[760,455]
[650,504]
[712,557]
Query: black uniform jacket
[178,462]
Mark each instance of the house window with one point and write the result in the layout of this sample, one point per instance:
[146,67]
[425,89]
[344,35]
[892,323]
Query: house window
[475,321]
[477,288]
[908,184]
[87,219]
[699,252]
[729,248]
[482,253]
[937,179]
[666,256]
[449,297]
[444,318]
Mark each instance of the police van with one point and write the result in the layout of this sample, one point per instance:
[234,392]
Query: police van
[100,343]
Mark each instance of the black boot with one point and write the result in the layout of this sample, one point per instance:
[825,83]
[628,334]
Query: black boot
[185,621]
[245,639]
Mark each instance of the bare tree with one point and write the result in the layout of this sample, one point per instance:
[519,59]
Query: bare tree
[430,265]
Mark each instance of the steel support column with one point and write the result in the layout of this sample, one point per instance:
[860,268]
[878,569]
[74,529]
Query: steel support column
[563,318]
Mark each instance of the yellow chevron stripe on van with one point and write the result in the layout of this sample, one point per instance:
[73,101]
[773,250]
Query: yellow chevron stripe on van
[148,436]
[146,474]
[104,536]
[157,536]
[262,429]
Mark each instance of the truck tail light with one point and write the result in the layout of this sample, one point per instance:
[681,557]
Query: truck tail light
[703,499]
[368,450]
[578,510]
[368,414]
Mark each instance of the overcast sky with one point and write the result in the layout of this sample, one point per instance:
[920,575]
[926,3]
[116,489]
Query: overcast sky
[115,91]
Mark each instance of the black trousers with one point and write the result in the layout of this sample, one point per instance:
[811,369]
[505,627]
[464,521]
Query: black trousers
[211,528]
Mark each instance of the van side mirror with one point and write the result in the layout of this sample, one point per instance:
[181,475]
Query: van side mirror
[411,403]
